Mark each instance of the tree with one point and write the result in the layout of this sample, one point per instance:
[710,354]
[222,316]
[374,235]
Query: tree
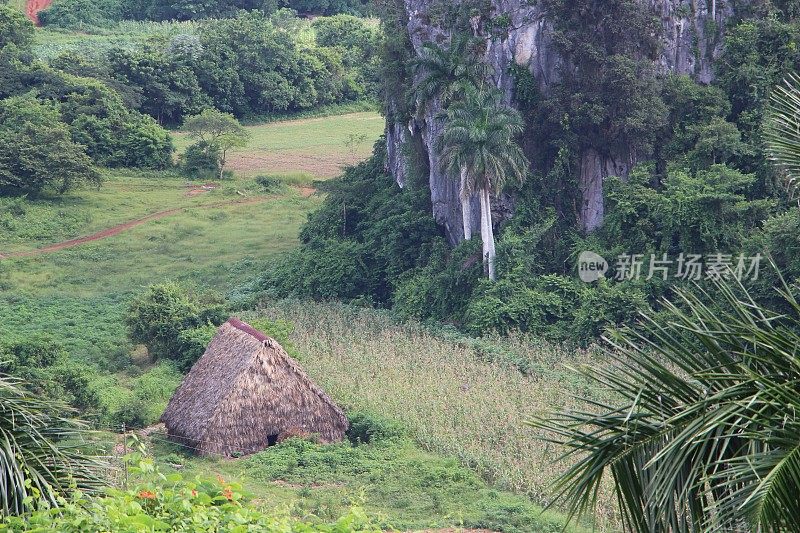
[15,29]
[159,316]
[479,143]
[446,73]
[217,130]
[704,437]
[36,150]
[38,457]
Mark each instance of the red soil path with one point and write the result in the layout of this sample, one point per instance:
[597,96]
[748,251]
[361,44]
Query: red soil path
[34,6]
[116,230]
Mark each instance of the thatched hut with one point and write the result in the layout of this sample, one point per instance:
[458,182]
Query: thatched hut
[244,393]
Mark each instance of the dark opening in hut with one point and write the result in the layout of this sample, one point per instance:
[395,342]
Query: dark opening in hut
[244,393]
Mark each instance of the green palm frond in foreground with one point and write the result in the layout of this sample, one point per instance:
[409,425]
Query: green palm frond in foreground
[706,433]
[783,129]
[39,457]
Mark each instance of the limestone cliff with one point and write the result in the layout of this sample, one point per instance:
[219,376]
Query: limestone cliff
[688,43]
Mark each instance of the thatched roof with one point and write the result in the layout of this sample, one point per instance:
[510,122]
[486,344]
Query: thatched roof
[243,393]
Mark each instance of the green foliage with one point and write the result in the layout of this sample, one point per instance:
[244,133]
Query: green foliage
[355,247]
[758,54]
[81,14]
[38,464]
[201,161]
[93,113]
[37,152]
[15,29]
[247,65]
[367,428]
[692,444]
[446,72]
[699,213]
[609,97]
[783,139]
[192,9]
[421,490]
[217,133]
[480,139]
[170,502]
[36,351]
[328,7]
[148,398]
[159,316]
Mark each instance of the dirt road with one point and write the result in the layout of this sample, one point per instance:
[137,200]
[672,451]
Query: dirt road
[33,7]
[119,228]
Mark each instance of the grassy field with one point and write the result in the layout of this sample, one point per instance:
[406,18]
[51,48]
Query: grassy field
[395,480]
[206,245]
[303,148]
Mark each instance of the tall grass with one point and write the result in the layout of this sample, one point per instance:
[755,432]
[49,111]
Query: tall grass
[451,398]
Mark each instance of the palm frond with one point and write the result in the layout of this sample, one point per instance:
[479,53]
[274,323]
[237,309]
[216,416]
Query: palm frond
[706,434]
[40,450]
[783,129]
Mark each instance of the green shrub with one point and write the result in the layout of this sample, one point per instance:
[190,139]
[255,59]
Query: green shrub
[368,428]
[170,503]
[157,318]
[76,14]
[36,351]
[148,398]
[201,161]
[268,183]
[193,343]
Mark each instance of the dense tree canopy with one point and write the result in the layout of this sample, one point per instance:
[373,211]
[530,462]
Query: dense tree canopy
[58,125]
[36,150]
[246,65]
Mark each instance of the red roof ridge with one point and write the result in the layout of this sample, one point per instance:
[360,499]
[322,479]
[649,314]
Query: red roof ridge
[247,328]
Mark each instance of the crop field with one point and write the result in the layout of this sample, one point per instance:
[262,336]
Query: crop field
[453,400]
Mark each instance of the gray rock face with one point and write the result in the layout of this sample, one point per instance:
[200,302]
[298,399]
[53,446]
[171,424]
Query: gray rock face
[691,40]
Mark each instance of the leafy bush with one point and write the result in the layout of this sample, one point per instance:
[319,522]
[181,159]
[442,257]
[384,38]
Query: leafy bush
[368,428]
[37,351]
[158,317]
[169,502]
[201,161]
[268,183]
[148,398]
[37,152]
[79,14]
[344,255]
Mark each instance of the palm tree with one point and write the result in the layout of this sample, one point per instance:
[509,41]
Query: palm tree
[445,72]
[39,454]
[783,129]
[479,143]
[704,434]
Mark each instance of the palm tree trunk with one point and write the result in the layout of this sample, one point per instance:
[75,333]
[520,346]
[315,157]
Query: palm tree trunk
[466,206]
[487,234]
